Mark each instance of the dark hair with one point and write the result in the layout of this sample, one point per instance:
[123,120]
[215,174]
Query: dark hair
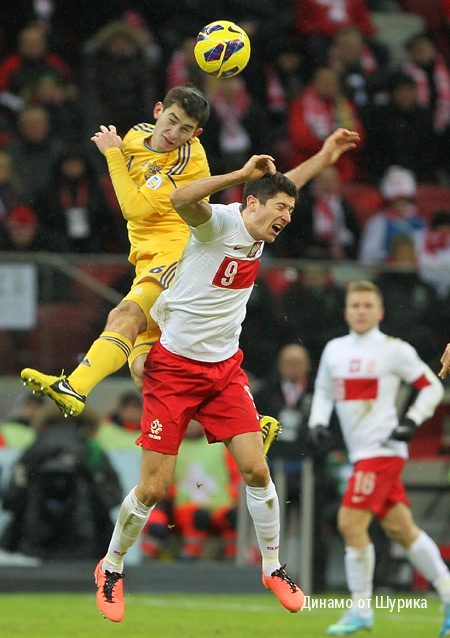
[440,218]
[130,398]
[268,186]
[399,78]
[191,100]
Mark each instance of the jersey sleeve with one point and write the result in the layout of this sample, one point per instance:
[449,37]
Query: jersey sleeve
[219,224]
[412,370]
[154,196]
[134,201]
[323,401]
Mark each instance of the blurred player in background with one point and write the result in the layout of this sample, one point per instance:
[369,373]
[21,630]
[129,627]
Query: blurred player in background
[194,371]
[360,375]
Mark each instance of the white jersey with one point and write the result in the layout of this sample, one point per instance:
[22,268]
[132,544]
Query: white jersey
[200,316]
[360,376]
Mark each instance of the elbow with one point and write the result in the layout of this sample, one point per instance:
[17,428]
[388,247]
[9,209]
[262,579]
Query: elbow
[174,198]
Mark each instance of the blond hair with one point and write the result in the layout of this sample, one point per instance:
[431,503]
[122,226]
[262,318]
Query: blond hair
[364,285]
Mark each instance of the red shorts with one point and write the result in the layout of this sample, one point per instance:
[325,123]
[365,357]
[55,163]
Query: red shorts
[177,389]
[376,485]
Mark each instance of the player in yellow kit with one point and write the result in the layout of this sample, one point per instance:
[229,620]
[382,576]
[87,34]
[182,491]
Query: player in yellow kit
[145,167]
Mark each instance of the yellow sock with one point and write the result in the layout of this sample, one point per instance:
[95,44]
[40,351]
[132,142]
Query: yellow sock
[106,355]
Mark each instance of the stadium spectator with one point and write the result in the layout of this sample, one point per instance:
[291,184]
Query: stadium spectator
[411,305]
[317,21]
[128,412]
[434,254]
[399,216]
[358,68]
[10,187]
[311,308]
[243,125]
[260,333]
[62,103]
[183,68]
[35,146]
[431,74]
[16,430]
[74,206]
[389,139]
[367,367]
[120,428]
[23,233]
[316,113]
[118,82]
[324,224]
[31,61]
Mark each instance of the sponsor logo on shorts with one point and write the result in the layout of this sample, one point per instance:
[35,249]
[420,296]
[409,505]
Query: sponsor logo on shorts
[154,182]
[155,429]
[358,499]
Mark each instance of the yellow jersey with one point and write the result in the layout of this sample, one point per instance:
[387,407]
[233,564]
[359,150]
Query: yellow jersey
[143,184]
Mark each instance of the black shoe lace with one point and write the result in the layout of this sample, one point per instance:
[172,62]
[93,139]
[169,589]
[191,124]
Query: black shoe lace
[280,573]
[110,583]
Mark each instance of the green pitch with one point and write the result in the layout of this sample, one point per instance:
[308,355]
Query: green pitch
[195,616]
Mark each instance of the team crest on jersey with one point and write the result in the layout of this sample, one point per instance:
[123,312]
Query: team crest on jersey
[355,365]
[255,249]
[151,168]
[154,182]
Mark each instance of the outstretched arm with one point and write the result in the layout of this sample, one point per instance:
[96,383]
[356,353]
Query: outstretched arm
[338,143]
[189,200]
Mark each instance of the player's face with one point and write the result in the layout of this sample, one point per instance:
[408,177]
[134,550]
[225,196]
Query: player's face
[363,311]
[172,128]
[266,221]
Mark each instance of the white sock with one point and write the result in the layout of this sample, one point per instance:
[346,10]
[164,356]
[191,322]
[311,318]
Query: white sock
[262,503]
[424,554]
[359,568]
[132,518]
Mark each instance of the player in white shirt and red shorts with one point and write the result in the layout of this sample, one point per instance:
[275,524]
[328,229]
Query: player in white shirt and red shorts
[194,371]
[360,375]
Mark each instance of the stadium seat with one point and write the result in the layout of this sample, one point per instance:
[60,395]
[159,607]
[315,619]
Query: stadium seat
[431,198]
[365,199]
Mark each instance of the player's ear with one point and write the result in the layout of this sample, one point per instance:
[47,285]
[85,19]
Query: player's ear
[159,108]
[198,132]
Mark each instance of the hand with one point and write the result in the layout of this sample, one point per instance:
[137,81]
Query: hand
[338,143]
[404,430]
[318,436]
[257,166]
[107,138]
[445,360]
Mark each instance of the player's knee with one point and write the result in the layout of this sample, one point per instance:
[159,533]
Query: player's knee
[256,475]
[138,381]
[349,528]
[126,318]
[137,372]
[151,493]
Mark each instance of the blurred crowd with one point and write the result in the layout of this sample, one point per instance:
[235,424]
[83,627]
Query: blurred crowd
[315,65]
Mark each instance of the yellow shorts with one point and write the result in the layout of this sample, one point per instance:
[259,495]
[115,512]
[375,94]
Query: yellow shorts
[152,277]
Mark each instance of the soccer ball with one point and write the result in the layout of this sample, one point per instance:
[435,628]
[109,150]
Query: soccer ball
[222,49]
